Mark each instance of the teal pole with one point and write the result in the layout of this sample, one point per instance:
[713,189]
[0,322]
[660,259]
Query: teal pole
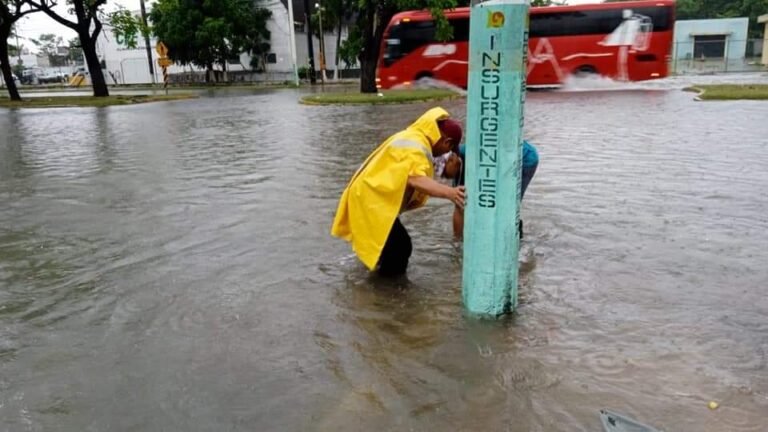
[498,45]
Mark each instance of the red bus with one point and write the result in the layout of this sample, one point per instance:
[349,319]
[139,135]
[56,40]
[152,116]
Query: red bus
[626,41]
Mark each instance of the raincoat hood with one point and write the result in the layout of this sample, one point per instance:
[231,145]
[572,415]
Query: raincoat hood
[427,124]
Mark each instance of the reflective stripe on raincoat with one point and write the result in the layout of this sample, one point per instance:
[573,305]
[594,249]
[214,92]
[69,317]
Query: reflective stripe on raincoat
[376,195]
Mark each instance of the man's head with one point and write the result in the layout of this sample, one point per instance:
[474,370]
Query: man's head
[450,137]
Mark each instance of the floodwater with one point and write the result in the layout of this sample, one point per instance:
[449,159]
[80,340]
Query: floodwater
[169,267]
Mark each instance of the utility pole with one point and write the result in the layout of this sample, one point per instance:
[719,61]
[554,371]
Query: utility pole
[146,41]
[310,47]
[319,7]
[495,98]
[292,37]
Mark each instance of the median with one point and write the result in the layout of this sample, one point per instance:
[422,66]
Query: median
[730,91]
[381,98]
[90,101]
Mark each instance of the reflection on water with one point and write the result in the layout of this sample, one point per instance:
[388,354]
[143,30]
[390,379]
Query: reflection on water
[169,266]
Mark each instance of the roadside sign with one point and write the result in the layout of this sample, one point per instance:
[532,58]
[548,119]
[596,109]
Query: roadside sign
[164,62]
[161,49]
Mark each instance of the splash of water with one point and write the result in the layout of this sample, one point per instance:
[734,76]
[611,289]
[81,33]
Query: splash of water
[430,83]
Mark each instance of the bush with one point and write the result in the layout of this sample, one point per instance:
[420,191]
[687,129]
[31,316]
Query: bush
[304,72]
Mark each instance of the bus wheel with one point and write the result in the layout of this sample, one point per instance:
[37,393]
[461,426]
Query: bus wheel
[424,74]
[585,71]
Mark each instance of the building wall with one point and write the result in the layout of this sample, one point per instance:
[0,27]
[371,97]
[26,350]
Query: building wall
[129,66]
[735,28]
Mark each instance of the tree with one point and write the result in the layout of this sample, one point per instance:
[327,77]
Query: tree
[334,14]
[127,27]
[49,44]
[88,26]
[699,9]
[373,17]
[206,33]
[704,9]
[10,12]
[75,51]
[350,48]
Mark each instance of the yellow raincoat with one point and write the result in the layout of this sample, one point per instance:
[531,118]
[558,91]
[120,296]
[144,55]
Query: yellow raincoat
[379,192]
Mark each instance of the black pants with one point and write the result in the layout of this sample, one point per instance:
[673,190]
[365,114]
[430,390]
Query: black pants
[397,250]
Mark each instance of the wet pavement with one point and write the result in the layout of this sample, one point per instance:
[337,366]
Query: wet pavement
[169,267]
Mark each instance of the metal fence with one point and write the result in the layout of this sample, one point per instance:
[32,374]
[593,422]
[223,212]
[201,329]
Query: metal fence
[199,77]
[709,54]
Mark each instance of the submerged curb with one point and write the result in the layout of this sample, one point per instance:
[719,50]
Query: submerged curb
[699,92]
[314,100]
[90,101]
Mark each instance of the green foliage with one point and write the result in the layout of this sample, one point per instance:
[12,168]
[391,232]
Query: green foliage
[699,9]
[382,11]
[731,91]
[87,22]
[704,9]
[351,47]
[75,51]
[208,32]
[126,27]
[303,72]
[49,45]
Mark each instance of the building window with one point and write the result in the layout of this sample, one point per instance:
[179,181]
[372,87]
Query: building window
[709,46]
[234,61]
[271,58]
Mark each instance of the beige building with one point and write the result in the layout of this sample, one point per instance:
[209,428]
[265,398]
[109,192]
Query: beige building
[763,19]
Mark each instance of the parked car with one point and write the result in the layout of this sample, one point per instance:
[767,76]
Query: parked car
[52,78]
[15,79]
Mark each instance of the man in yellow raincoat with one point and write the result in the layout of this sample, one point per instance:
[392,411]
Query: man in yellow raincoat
[396,177]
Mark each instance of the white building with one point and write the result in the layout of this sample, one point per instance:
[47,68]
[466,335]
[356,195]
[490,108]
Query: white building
[130,66]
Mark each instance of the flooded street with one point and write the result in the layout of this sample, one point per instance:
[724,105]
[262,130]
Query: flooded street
[169,267]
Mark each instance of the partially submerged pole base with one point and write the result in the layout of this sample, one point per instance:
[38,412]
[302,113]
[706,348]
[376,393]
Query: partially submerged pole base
[496,95]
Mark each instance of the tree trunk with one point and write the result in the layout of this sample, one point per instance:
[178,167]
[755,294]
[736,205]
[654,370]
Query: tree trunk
[310,44]
[338,47]
[368,75]
[377,18]
[94,66]
[5,64]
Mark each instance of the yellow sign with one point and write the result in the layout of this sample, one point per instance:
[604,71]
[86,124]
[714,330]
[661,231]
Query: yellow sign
[161,49]
[495,19]
[164,62]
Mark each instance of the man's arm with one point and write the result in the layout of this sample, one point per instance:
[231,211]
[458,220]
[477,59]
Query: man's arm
[438,190]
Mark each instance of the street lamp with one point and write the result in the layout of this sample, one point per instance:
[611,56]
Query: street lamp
[292,37]
[322,42]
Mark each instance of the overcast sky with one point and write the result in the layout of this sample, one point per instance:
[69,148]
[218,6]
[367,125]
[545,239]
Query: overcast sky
[36,24]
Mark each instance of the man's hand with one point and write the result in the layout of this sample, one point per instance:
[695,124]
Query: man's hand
[431,187]
[457,196]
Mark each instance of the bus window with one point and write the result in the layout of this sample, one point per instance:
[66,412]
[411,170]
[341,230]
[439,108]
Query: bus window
[593,22]
[460,29]
[406,37]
